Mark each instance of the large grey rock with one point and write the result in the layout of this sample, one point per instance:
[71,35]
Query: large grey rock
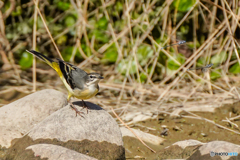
[96,134]
[54,152]
[18,117]
[217,147]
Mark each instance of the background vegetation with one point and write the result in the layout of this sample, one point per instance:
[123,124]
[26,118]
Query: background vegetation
[123,40]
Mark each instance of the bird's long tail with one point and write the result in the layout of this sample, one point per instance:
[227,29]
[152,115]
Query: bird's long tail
[49,61]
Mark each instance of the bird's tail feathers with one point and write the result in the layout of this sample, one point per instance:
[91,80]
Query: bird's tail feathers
[42,57]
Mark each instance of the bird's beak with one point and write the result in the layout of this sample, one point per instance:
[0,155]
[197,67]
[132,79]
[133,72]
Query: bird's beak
[100,77]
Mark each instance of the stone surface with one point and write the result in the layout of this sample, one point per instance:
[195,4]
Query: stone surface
[180,150]
[187,143]
[134,117]
[18,117]
[54,152]
[144,136]
[203,153]
[96,134]
[64,125]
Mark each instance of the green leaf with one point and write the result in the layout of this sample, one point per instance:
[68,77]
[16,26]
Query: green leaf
[143,77]
[219,58]
[124,64]
[26,60]
[101,36]
[57,28]
[69,21]
[62,39]
[102,23]
[119,6]
[17,11]
[63,5]
[23,28]
[172,65]
[215,74]
[144,53]
[86,49]
[110,55]
[183,5]
[67,53]
[235,69]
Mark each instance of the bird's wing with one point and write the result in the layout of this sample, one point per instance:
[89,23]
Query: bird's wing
[74,76]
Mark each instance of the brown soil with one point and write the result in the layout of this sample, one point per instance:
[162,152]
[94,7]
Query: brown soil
[189,129]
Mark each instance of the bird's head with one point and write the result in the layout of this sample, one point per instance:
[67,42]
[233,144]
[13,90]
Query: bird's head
[93,78]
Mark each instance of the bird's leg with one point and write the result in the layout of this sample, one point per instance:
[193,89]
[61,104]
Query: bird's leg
[85,105]
[74,108]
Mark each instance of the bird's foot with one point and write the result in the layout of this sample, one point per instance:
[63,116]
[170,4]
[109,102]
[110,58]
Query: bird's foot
[76,110]
[85,106]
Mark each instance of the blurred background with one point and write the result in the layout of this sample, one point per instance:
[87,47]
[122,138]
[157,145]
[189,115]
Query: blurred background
[124,41]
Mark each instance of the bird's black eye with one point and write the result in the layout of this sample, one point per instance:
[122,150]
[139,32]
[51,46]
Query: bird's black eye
[91,76]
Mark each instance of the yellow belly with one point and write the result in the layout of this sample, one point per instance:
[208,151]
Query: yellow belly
[84,94]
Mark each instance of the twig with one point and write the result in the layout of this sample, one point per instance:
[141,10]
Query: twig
[210,121]
[132,131]
[234,118]
[233,124]
[46,27]
[34,46]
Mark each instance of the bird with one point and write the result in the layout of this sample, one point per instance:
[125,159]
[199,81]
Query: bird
[79,84]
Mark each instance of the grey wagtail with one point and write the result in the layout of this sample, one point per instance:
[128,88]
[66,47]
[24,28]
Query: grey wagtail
[78,83]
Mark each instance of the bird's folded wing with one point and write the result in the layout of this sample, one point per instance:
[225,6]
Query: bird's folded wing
[73,75]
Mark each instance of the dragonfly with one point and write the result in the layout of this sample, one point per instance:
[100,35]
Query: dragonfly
[179,43]
[203,69]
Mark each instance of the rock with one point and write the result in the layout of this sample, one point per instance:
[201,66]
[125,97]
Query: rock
[144,136]
[187,143]
[97,133]
[54,152]
[179,150]
[18,117]
[210,150]
[135,117]
[194,108]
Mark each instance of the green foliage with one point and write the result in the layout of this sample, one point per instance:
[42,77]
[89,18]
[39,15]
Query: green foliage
[102,23]
[110,55]
[17,11]
[69,20]
[26,60]
[86,49]
[215,74]
[99,31]
[61,40]
[124,65]
[172,65]
[235,69]
[219,58]
[143,77]
[183,5]
[67,53]
[63,5]
[94,29]
[144,53]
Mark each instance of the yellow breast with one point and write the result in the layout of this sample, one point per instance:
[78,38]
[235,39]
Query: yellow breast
[85,94]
